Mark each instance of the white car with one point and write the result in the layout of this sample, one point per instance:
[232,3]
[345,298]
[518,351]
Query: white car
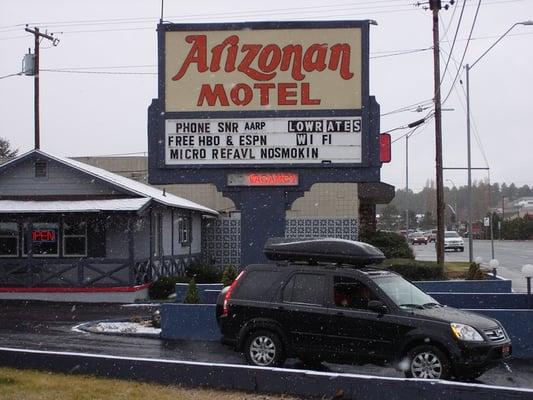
[452,240]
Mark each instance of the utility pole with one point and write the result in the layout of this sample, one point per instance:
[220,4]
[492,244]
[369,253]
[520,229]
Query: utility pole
[435,6]
[407,187]
[38,35]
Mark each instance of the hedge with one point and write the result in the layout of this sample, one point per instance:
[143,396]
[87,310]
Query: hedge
[391,244]
[415,270]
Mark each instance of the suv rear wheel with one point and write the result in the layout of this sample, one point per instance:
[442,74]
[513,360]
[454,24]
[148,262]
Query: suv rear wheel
[427,362]
[264,349]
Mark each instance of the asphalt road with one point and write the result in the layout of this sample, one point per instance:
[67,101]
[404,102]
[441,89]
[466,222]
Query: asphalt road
[48,326]
[511,254]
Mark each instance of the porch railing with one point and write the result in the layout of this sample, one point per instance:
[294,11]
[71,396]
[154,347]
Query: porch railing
[89,272]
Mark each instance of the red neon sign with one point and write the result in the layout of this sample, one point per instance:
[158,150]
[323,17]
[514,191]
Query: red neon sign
[43,236]
[271,179]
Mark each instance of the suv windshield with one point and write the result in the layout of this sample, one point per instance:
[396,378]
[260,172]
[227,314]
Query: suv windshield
[451,235]
[404,293]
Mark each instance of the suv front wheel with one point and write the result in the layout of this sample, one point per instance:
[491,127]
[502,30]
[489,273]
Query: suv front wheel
[427,362]
[264,349]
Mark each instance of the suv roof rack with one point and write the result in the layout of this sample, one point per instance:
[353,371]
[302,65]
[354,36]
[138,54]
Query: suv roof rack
[330,250]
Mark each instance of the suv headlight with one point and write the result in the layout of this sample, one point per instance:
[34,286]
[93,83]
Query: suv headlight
[466,333]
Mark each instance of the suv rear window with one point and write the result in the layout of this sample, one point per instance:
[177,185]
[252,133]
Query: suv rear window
[305,288]
[256,285]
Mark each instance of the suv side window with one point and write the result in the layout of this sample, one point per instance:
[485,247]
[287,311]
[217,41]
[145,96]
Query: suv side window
[257,285]
[351,293]
[306,289]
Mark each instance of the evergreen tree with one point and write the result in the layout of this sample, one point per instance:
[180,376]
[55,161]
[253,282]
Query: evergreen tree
[6,151]
[192,296]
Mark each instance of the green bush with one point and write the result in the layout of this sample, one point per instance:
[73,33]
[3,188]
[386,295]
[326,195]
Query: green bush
[415,270]
[391,244]
[192,296]
[204,273]
[228,275]
[165,286]
[475,273]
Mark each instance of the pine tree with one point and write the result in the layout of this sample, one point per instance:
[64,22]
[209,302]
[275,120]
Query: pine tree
[192,296]
[5,149]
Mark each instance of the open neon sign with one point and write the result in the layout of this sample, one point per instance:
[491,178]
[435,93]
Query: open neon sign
[43,235]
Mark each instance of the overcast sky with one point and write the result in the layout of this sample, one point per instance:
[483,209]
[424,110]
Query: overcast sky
[102,114]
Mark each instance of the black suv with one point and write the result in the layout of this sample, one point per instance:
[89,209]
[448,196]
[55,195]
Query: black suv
[319,311]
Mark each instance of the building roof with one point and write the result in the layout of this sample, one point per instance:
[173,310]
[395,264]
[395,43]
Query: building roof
[66,206]
[130,185]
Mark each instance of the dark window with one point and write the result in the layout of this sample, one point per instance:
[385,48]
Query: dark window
[40,169]
[44,236]
[75,238]
[9,239]
[258,285]
[351,293]
[305,288]
[96,238]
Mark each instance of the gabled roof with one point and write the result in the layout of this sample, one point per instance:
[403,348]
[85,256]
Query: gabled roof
[126,184]
[72,206]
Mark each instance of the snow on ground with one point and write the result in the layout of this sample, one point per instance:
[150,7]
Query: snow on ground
[124,327]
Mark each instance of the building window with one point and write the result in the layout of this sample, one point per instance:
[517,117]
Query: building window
[40,169]
[44,236]
[9,239]
[184,230]
[75,239]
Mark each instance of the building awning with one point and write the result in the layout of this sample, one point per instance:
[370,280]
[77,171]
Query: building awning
[71,206]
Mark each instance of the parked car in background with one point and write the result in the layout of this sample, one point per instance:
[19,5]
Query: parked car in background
[431,235]
[418,238]
[319,302]
[453,241]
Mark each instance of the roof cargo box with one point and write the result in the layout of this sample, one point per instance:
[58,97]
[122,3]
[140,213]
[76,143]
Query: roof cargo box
[330,250]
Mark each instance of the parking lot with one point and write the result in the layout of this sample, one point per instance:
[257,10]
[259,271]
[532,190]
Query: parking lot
[48,326]
[511,254]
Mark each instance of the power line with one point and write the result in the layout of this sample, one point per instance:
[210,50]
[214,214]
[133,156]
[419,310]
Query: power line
[454,39]
[10,75]
[408,107]
[98,72]
[400,53]
[464,52]
[477,135]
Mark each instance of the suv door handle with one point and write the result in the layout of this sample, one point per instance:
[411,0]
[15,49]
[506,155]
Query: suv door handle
[280,308]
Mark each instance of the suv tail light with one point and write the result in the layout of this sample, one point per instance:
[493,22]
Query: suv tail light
[225,307]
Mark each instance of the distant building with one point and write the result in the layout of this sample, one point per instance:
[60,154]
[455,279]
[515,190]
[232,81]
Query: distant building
[519,207]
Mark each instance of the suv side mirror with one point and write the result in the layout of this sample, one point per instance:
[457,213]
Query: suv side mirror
[377,306]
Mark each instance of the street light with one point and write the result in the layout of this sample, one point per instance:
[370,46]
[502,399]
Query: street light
[527,271]
[455,202]
[469,153]
[494,264]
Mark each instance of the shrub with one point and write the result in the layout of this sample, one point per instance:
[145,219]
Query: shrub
[192,296]
[203,273]
[391,244]
[165,286]
[415,270]
[475,273]
[228,275]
